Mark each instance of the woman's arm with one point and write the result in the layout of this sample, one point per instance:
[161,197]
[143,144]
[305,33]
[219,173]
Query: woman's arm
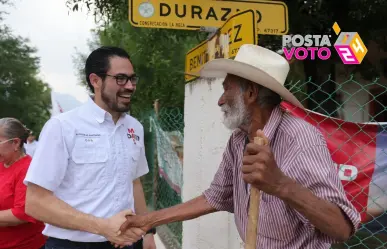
[7,219]
[16,215]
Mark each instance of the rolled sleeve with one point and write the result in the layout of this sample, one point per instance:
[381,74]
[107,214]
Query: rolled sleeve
[18,209]
[50,161]
[220,193]
[316,171]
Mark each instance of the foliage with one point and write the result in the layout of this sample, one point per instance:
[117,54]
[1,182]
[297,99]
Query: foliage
[158,55]
[153,48]
[4,3]
[79,58]
[317,17]
[22,94]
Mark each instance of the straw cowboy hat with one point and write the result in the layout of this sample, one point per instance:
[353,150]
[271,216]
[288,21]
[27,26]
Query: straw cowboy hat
[257,64]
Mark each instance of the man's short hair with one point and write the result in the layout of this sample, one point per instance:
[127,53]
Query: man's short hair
[98,62]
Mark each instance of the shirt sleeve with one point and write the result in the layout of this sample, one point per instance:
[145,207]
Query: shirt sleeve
[220,193]
[49,164]
[142,166]
[315,170]
[18,209]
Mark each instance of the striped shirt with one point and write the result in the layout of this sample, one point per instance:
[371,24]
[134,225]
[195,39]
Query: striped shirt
[301,153]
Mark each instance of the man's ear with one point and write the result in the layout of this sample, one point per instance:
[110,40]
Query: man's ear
[252,93]
[95,80]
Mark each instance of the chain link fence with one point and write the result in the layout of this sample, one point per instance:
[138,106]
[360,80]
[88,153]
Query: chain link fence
[353,118]
[164,151]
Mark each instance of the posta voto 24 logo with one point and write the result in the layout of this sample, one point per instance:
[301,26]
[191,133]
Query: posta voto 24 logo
[348,45]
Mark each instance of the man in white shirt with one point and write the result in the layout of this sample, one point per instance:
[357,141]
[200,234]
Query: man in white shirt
[31,144]
[84,178]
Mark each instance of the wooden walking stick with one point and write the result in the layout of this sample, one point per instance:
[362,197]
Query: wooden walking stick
[255,198]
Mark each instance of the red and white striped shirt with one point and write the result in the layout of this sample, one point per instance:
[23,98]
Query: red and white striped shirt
[302,154]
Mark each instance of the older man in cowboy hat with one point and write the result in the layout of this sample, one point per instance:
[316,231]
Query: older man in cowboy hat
[303,202]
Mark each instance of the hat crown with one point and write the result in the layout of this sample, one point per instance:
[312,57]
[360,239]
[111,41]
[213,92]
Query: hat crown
[257,64]
[264,59]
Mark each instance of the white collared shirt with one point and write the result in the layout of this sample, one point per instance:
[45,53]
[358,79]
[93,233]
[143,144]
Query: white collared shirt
[90,163]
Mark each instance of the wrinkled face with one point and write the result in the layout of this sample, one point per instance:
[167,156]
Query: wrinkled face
[118,86]
[8,147]
[232,104]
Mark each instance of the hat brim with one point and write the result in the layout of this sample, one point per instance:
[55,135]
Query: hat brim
[219,68]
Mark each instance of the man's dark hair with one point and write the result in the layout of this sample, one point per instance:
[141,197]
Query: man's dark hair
[98,62]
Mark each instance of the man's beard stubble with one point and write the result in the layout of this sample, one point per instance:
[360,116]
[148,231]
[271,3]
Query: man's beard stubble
[112,102]
[236,115]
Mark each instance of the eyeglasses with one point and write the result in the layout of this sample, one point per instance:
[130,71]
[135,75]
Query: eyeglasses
[122,79]
[3,142]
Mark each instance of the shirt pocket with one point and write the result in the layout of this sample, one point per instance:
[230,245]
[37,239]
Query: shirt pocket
[132,160]
[277,221]
[90,156]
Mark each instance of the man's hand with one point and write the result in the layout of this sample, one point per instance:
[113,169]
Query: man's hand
[149,242]
[260,168]
[139,221]
[130,236]
[130,228]
[110,229]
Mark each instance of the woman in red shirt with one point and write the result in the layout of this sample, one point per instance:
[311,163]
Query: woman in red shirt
[17,230]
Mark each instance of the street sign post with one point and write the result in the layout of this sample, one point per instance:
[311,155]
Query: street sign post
[239,29]
[271,16]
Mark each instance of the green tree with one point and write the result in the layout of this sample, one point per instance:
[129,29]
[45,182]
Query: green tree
[317,17]
[305,17]
[158,55]
[158,61]
[22,94]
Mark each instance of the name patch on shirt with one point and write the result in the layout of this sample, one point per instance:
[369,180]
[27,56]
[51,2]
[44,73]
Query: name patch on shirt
[88,137]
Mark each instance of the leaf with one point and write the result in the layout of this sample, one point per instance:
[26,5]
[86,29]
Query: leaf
[22,94]
[75,7]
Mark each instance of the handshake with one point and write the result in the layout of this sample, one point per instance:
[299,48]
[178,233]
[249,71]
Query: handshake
[125,228]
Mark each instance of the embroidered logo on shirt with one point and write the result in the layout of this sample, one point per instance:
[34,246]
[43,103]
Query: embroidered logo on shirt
[132,135]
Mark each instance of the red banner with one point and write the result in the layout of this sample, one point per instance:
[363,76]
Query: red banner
[360,153]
